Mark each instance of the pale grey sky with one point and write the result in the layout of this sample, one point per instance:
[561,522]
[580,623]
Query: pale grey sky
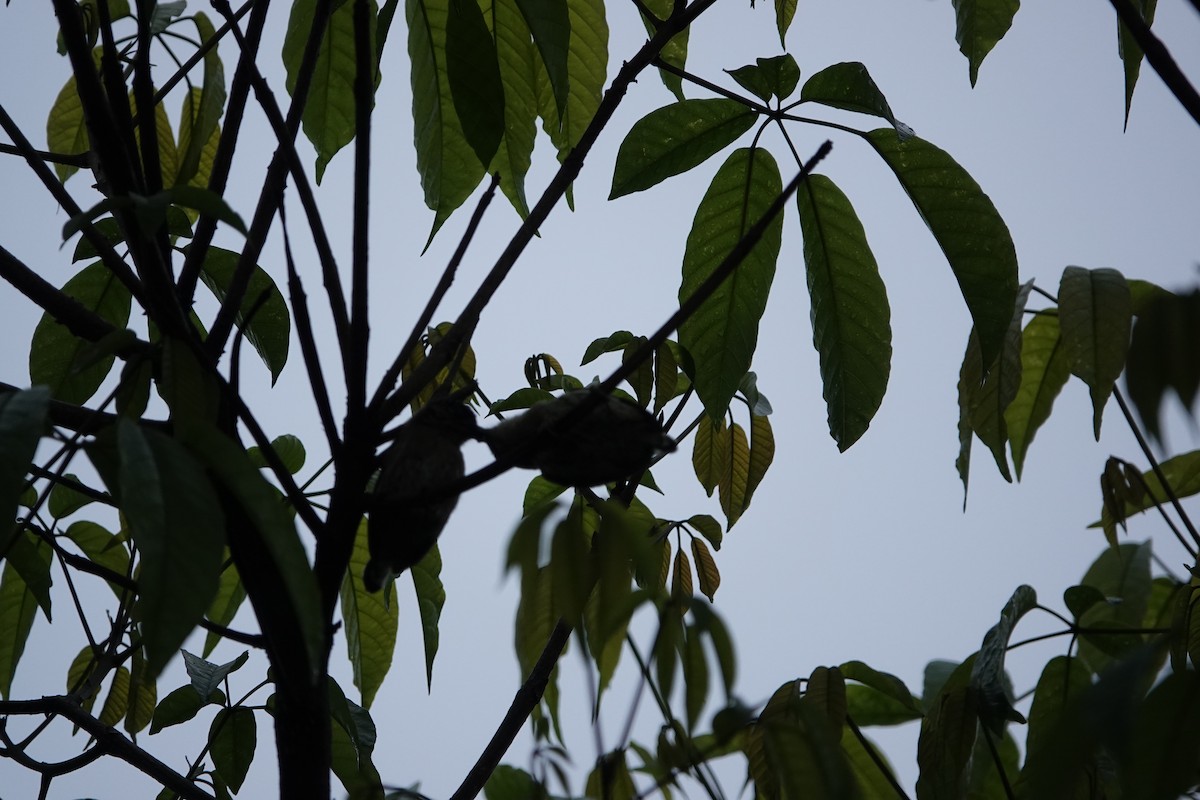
[865,555]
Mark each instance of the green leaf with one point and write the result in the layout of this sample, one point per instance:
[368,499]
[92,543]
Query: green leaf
[71,367]
[271,522]
[30,556]
[175,519]
[1161,353]
[710,453]
[18,607]
[65,500]
[781,74]
[207,676]
[230,595]
[851,317]
[613,343]
[1044,371]
[1183,476]
[1063,681]
[1095,314]
[675,138]
[966,226]
[587,66]
[674,52]
[516,56]
[511,783]
[708,527]
[474,77]
[721,336]
[947,738]
[549,24]
[101,547]
[970,378]
[988,401]
[329,110]
[181,705]
[201,111]
[752,79]
[872,779]
[446,161]
[231,742]
[732,484]
[1164,740]
[22,420]
[980,25]
[785,11]
[992,695]
[287,447]
[695,677]
[371,621]
[66,129]
[431,596]
[264,313]
[1130,51]
[117,702]
[881,692]
[849,86]
[1122,574]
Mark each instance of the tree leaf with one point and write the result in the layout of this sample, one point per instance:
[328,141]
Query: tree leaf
[887,692]
[549,24]
[264,313]
[706,569]
[66,128]
[445,160]
[229,598]
[674,52]
[992,696]
[231,742]
[175,519]
[695,676]
[966,226]
[708,527]
[101,547]
[22,420]
[65,500]
[473,74]
[1122,574]
[431,596]
[329,111]
[179,706]
[710,453]
[117,701]
[207,676]
[71,367]
[143,695]
[849,86]
[980,25]
[947,739]
[1044,371]
[851,317]
[1130,51]
[587,66]
[202,111]
[1095,315]
[18,607]
[1183,476]
[516,56]
[288,448]
[673,139]
[30,556]
[1161,354]
[785,10]
[1063,681]
[371,621]
[721,336]
[732,486]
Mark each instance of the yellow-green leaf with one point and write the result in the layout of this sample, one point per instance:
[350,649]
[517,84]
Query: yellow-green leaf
[1095,314]
[371,621]
[733,483]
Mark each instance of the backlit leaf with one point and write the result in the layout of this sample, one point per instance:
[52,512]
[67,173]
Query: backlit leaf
[849,86]
[980,25]
[1044,371]
[371,621]
[1095,316]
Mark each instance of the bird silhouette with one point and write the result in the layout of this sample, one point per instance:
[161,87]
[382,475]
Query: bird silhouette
[610,441]
[409,507]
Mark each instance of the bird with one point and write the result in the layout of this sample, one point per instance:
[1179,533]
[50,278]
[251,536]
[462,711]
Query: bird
[408,508]
[612,440]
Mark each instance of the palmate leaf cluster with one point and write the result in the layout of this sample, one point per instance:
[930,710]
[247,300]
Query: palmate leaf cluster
[135,460]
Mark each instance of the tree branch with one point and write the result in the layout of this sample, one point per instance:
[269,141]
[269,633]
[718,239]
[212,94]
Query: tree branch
[109,740]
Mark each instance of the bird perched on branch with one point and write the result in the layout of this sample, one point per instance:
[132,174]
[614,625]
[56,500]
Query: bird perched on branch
[613,439]
[408,508]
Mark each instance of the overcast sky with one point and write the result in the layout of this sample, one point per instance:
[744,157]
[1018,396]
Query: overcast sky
[864,555]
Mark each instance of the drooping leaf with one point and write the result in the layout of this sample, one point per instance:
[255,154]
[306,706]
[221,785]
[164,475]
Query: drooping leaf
[549,24]
[175,519]
[66,128]
[710,453]
[732,486]
[947,738]
[1062,682]
[446,161]
[1095,314]
[587,66]
[431,596]
[371,621]
[30,556]
[762,452]
[882,698]
[117,701]
[71,367]
[1122,574]
[1162,354]
[695,676]
[980,25]
[229,598]
[674,52]
[1183,477]
[675,138]
[65,500]
[721,336]
[785,10]
[1044,371]
[516,56]
[851,317]
[1130,51]
[231,741]
[994,703]
[264,313]
[22,420]
[473,73]
[202,111]
[18,608]
[966,226]
[706,569]
[329,111]
[970,377]
[101,547]
[708,527]
[849,86]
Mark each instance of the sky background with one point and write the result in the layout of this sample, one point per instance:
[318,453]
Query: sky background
[865,555]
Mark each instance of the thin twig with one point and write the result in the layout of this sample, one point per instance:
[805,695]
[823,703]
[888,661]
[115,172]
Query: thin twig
[360,321]
[877,759]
